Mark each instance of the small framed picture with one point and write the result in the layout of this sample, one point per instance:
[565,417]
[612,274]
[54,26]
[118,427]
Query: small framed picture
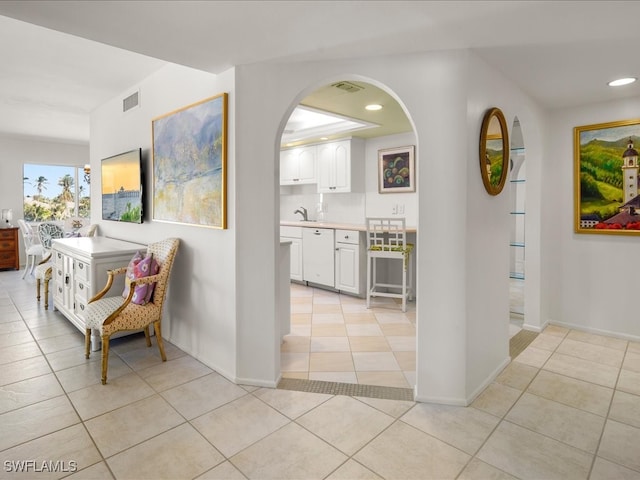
[396,170]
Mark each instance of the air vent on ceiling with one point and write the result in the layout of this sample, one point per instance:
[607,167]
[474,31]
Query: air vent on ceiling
[132,101]
[348,87]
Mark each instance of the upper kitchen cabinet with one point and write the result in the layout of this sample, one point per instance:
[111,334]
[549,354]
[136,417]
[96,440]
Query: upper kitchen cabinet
[298,165]
[341,166]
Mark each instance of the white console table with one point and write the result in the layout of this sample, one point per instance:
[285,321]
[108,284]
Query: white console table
[80,271]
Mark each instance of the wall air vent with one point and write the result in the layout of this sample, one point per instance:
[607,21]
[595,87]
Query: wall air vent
[348,87]
[132,101]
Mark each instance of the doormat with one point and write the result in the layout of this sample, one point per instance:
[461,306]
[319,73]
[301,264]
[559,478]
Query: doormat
[350,389]
[520,341]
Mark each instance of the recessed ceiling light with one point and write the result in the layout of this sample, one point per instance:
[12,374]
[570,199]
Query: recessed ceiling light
[622,81]
[324,138]
[373,107]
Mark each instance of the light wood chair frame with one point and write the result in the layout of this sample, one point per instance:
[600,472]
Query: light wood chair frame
[163,275]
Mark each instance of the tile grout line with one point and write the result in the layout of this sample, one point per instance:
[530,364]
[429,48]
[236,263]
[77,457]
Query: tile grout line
[66,394]
[606,419]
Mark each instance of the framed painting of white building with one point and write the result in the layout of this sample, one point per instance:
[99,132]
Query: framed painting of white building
[606,184]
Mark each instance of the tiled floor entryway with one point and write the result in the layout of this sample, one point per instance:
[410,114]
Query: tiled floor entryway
[335,338]
[568,407]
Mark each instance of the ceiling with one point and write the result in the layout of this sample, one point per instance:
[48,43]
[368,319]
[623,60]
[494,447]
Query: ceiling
[561,53]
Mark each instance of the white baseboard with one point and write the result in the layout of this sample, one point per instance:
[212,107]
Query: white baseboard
[596,331]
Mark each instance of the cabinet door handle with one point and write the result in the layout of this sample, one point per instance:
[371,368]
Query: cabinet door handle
[81,286]
[80,266]
[66,279]
[317,233]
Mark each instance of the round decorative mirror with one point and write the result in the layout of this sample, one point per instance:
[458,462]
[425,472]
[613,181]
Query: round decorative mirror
[494,151]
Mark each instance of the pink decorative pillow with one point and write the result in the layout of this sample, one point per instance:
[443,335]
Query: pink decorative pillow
[140,267]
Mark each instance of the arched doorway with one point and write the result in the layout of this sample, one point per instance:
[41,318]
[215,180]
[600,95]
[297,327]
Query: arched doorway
[333,337]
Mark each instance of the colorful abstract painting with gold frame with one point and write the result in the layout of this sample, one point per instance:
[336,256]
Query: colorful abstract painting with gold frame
[396,170]
[189,164]
[606,178]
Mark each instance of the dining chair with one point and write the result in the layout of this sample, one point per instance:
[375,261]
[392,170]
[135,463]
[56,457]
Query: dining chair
[47,232]
[32,247]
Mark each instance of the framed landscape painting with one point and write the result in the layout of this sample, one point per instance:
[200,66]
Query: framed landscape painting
[606,178]
[189,164]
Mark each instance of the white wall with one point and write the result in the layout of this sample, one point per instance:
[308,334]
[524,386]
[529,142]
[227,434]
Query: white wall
[381,205]
[433,88]
[15,152]
[201,313]
[223,305]
[592,279]
[489,226]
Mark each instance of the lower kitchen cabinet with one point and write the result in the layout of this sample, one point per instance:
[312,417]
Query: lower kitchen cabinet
[294,235]
[327,257]
[318,256]
[350,261]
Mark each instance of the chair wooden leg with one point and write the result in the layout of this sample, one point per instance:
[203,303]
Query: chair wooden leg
[87,342]
[105,358]
[147,336]
[46,294]
[158,331]
[38,289]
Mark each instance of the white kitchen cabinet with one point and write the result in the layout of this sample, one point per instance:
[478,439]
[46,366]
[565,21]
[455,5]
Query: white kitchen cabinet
[318,256]
[350,261]
[298,165]
[341,166]
[80,271]
[294,235]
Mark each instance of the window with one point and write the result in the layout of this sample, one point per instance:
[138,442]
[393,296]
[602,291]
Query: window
[50,192]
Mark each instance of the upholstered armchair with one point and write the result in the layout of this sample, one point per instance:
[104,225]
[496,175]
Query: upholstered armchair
[113,314]
[43,271]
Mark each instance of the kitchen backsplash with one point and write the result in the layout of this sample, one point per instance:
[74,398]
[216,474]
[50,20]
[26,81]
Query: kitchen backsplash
[334,207]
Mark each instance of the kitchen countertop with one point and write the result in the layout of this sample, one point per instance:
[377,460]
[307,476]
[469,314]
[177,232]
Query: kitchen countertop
[361,227]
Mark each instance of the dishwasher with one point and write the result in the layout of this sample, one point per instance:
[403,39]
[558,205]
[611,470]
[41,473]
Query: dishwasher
[318,256]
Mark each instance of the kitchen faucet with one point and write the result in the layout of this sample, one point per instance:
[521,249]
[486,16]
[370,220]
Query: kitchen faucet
[303,212]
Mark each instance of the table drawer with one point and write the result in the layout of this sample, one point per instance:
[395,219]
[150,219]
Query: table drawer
[58,259]
[82,270]
[83,291]
[80,305]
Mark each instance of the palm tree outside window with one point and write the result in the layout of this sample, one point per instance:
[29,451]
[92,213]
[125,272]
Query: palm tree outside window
[55,192]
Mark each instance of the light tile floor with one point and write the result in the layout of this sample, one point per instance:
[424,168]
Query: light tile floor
[335,338]
[567,407]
